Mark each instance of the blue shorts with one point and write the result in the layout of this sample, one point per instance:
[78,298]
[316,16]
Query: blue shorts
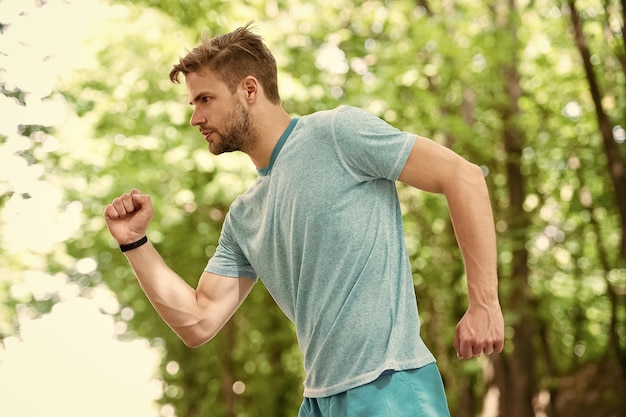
[413,393]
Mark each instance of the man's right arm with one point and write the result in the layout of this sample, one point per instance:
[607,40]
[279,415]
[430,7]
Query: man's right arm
[195,315]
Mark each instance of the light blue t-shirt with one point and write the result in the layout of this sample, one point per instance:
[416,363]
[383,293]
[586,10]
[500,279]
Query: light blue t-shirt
[322,228]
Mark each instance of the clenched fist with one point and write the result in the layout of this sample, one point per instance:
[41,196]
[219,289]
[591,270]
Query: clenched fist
[481,330]
[128,216]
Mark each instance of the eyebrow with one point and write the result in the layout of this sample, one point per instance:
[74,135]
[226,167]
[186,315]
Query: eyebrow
[199,96]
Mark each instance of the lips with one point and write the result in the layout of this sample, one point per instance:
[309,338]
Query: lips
[207,134]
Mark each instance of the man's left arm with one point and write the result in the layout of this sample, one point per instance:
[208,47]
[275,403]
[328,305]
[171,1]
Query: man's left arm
[434,168]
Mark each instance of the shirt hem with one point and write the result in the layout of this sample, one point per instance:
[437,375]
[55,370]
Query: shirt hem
[365,378]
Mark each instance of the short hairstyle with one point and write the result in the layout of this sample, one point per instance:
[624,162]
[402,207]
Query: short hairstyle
[232,57]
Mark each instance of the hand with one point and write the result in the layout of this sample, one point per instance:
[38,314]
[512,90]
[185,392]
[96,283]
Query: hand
[481,330]
[128,216]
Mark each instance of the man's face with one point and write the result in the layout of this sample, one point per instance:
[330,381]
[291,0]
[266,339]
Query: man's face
[222,118]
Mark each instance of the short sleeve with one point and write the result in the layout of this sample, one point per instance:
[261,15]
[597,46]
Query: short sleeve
[368,146]
[229,259]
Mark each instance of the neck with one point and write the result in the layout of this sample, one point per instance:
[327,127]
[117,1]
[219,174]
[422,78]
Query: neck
[269,125]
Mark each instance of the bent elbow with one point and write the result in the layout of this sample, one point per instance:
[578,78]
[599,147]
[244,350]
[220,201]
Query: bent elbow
[474,174]
[195,337]
[467,176]
[192,342]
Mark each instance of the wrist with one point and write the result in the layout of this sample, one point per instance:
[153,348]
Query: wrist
[133,245]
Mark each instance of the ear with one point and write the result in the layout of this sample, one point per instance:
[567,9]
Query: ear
[251,87]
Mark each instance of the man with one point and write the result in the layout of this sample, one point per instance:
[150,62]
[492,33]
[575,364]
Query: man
[322,228]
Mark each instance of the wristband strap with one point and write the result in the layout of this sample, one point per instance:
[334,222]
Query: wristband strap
[134,245]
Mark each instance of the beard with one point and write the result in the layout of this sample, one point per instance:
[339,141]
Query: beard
[237,134]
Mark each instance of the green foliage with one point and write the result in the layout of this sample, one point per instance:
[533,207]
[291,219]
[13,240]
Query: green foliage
[437,70]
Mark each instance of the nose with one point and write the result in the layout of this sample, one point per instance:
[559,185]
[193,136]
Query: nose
[197,118]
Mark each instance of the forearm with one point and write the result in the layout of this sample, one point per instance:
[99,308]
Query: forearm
[472,217]
[171,296]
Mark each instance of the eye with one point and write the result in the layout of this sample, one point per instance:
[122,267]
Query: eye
[205,99]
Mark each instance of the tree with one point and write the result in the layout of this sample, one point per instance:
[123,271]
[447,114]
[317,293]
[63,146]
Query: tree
[500,83]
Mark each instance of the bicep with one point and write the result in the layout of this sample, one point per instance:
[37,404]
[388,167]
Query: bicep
[219,297]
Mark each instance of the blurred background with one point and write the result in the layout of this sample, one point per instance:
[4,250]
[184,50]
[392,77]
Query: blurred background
[533,91]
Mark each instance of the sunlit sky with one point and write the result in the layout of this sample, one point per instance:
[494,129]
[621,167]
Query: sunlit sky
[39,45]
[69,362]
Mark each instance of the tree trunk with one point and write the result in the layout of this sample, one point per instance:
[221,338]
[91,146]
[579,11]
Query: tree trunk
[615,162]
[615,166]
[516,379]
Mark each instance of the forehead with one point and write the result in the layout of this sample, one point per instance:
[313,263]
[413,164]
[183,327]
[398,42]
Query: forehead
[203,82]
